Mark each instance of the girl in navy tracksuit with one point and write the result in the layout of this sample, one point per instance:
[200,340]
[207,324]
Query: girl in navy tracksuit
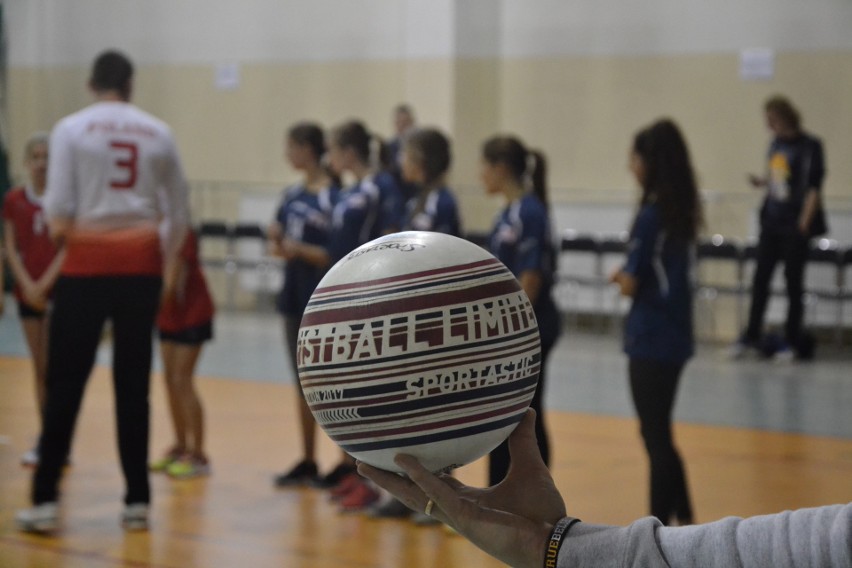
[658,336]
[522,241]
[425,161]
[357,217]
[356,220]
[300,236]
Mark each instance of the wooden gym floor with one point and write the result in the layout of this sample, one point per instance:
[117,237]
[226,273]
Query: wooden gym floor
[236,518]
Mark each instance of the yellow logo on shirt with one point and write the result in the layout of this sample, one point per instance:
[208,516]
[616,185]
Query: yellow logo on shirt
[779,176]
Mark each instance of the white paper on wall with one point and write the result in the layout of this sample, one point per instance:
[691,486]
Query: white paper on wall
[757,64]
[227,77]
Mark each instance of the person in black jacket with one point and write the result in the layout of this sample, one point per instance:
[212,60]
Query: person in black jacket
[791,214]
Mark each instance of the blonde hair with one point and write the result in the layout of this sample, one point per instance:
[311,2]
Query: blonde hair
[35,139]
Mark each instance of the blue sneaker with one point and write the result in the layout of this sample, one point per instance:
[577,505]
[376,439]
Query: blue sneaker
[784,354]
[742,348]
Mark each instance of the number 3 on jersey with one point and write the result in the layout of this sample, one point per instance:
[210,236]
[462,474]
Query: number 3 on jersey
[126,161]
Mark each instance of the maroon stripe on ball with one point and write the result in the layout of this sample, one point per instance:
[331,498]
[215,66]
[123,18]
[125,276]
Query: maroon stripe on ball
[435,436]
[410,276]
[429,426]
[420,302]
[521,394]
[321,298]
[394,414]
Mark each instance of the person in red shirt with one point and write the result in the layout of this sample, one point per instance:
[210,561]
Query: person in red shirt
[185,322]
[34,262]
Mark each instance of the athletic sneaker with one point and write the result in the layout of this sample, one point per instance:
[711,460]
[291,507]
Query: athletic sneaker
[335,476]
[135,517]
[361,497]
[164,462]
[390,509]
[30,459]
[345,487]
[40,519]
[187,468]
[743,348]
[303,473]
[785,354]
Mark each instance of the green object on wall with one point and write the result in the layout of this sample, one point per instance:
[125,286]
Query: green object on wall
[5,181]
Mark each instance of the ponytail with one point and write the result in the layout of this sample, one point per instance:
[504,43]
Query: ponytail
[529,167]
[537,175]
[336,181]
[379,157]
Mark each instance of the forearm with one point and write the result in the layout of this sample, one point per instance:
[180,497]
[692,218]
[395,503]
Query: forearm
[173,234]
[174,205]
[598,545]
[59,228]
[16,265]
[806,537]
[626,283]
[173,276]
[530,281]
[20,273]
[312,254]
[519,543]
[48,279]
[809,208]
[274,237]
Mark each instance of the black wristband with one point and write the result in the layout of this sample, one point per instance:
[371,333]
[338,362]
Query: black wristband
[554,543]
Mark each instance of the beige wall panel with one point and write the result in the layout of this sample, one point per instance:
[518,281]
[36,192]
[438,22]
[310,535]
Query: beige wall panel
[429,87]
[477,116]
[37,98]
[237,135]
[583,112]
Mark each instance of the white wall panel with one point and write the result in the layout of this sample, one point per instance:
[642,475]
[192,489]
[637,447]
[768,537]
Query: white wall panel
[427,29]
[69,32]
[616,27]
[478,29]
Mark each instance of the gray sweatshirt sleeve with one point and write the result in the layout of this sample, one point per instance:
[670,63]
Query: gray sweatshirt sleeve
[819,537]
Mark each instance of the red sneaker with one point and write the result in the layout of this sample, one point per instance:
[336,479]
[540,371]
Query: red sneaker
[359,498]
[347,484]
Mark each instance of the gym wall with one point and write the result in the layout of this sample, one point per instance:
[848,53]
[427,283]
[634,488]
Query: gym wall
[575,79]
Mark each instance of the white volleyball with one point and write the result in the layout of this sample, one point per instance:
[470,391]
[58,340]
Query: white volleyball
[418,343]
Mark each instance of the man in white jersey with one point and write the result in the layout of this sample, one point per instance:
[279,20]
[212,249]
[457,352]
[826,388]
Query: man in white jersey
[115,177]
